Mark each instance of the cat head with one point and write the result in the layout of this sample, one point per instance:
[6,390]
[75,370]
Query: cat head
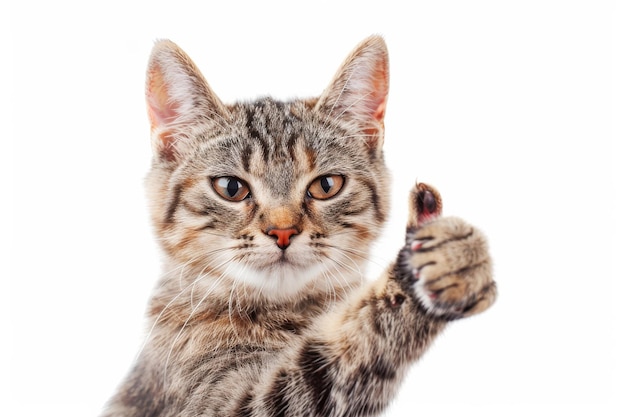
[273,197]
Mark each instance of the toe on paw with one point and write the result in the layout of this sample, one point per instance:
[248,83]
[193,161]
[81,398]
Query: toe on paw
[424,204]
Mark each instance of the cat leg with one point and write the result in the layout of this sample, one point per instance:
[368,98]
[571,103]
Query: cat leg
[353,362]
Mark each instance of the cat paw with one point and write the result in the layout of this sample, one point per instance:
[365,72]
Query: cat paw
[446,261]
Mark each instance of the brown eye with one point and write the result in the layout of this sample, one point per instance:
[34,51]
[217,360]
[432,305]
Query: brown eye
[325,187]
[231,188]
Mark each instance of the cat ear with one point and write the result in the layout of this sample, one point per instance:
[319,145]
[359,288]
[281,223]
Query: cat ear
[179,100]
[358,93]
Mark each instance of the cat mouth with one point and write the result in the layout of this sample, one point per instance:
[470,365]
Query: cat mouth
[286,259]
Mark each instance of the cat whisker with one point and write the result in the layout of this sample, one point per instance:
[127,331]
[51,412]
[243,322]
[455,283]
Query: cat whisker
[333,263]
[340,271]
[162,312]
[356,268]
[328,278]
[191,286]
[231,302]
[202,273]
[216,283]
[361,254]
[365,255]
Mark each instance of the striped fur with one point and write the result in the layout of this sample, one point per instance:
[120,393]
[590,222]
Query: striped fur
[243,326]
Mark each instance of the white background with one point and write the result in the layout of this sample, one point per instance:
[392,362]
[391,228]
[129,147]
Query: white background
[513,109]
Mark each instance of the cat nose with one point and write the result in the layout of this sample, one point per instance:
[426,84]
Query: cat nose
[282,236]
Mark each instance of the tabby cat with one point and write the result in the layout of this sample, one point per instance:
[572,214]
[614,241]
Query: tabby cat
[265,212]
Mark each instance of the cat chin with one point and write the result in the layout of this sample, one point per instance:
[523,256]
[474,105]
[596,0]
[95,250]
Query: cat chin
[281,281]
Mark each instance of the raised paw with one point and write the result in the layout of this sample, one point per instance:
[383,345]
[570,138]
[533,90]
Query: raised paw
[447,263]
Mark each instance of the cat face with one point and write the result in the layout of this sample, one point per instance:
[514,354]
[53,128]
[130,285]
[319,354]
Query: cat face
[270,196]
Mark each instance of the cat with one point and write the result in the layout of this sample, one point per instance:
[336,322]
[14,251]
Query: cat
[265,212]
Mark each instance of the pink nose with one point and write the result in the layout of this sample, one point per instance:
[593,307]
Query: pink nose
[282,236]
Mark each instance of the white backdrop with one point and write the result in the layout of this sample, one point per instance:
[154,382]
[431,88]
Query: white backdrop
[513,109]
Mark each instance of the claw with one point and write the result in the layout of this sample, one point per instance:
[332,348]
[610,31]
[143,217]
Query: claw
[425,204]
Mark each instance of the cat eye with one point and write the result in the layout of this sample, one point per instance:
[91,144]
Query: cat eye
[325,187]
[231,188]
